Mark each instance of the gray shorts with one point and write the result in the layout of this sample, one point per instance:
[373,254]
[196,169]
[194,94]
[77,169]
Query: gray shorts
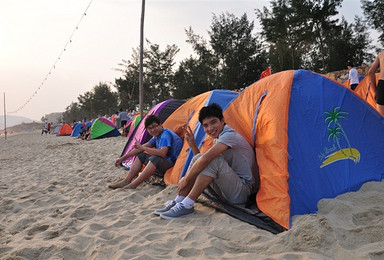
[162,165]
[226,183]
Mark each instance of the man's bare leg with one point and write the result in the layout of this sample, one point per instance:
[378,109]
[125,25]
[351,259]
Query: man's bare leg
[148,171]
[202,182]
[135,169]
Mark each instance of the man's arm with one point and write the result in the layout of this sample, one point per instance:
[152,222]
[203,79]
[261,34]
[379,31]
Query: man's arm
[162,152]
[372,72]
[134,152]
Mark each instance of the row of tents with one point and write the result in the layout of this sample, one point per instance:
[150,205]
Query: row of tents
[99,128]
[313,138]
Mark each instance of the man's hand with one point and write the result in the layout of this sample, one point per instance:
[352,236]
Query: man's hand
[118,162]
[138,146]
[189,136]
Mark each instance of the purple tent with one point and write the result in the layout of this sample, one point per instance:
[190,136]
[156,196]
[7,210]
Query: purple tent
[163,110]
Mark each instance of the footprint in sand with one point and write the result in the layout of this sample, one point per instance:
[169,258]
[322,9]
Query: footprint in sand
[368,218]
[189,252]
[83,213]
[31,232]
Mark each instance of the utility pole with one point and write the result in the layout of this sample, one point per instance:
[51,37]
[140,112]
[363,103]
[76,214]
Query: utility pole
[5,120]
[141,89]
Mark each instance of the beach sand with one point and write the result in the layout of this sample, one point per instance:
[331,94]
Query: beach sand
[55,204]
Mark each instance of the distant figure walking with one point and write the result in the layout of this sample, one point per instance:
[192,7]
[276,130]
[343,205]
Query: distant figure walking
[353,76]
[123,117]
[379,88]
[45,129]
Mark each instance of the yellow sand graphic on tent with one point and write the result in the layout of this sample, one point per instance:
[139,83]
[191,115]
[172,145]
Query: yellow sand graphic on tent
[335,131]
[346,153]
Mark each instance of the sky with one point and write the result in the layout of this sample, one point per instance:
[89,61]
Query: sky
[33,35]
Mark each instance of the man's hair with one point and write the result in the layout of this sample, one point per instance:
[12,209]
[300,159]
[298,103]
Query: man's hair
[149,120]
[350,63]
[212,110]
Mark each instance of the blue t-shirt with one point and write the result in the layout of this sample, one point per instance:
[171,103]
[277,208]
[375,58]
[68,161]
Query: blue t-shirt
[123,116]
[169,139]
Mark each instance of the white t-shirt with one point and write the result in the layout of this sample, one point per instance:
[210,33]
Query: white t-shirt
[353,77]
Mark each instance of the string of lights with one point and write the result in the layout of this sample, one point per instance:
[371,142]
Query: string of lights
[55,63]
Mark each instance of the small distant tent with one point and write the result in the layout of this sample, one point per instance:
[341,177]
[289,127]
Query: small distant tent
[56,129]
[132,123]
[77,129]
[103,127]
[65,129]
[163,110]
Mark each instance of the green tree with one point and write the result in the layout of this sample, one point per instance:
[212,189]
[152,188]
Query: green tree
[128,85]
[373,10]
[196,75]
[157,77]
[362,41]
[321,23]
[159,72]
[104,100]
[238,50]
[85,104]
[73,113]
[100,101]
[232,58]
[284,28]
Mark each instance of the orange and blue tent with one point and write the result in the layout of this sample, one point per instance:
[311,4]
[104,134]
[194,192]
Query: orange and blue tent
[313,139]
[365,91]
[187,114]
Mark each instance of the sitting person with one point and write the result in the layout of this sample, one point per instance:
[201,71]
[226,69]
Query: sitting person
[158,154]
[228,167]
[83,132]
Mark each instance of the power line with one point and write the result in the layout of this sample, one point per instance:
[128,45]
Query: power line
[56,61]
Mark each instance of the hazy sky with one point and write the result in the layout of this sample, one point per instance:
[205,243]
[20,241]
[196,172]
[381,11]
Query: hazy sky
[33,34]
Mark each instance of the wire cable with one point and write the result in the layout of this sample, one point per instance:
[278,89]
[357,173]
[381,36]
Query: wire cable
[55,63]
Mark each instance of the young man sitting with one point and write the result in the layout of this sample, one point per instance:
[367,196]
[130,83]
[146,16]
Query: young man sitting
[228,167]
[158,154]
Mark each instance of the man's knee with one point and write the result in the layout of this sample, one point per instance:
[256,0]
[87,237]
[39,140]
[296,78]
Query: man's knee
[142,157]
[156,160]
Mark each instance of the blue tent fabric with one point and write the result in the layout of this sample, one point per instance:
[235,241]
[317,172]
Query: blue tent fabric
[77,130]
[57,128]
[221,97]
[333,138]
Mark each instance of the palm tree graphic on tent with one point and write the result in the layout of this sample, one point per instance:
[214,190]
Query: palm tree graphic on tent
[335,130]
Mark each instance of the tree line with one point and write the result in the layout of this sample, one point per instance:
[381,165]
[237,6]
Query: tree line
[294,34]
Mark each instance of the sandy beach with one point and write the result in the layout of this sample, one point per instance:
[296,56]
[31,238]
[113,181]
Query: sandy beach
[55,204]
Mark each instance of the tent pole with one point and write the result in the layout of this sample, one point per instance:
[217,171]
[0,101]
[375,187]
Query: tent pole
[5,120]
[141,90]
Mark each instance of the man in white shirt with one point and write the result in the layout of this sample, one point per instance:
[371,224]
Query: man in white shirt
[353,77]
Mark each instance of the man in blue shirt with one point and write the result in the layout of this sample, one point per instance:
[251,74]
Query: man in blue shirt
[158,154]
[123,117]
